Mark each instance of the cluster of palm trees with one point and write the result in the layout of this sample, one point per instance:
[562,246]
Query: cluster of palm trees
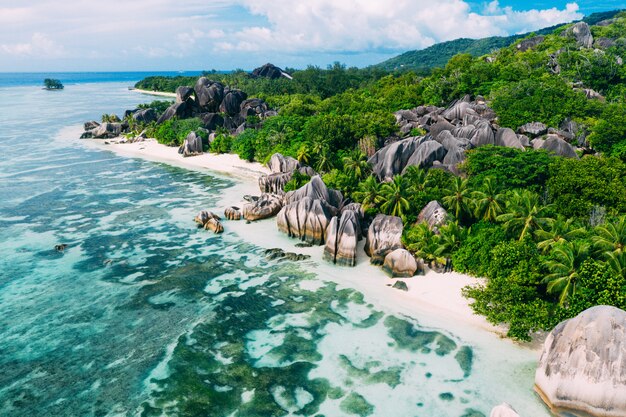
[565,243]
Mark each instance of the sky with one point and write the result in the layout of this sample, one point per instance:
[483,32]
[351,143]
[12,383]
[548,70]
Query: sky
[174,35]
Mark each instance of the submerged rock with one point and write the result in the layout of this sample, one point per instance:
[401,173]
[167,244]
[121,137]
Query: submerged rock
[280,255]
[583,363]
[400,285]
[214,225]
[383,236]
[268,205]
[400,264]
[342,236]
[503,410]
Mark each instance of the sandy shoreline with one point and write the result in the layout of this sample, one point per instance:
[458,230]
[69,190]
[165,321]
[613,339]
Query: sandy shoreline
[435,298]
[153,93]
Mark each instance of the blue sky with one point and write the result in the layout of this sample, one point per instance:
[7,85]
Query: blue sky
[92,35]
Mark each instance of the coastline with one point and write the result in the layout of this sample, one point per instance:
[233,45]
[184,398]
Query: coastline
[152,93]
[435,298]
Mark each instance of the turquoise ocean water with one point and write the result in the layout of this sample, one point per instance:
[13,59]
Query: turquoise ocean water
[145,315]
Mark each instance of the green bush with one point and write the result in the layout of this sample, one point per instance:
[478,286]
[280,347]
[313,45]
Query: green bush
[174,131]
[222,142]
[474,255]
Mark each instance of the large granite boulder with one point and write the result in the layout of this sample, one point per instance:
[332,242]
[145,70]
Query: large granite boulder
[180,110]
[426,154]
[308,211]
[268,205]
[558,146]
[145,115]
[211,121]
[107,131]
[231,104]
[209,221]
[91,125]
[392,159]
[183,94]
[583,364]
[503,410]
[253,107]
[582,33]
[530,43]
[400,264]
[209,95]
[342,236]
[192,145]
[433,214]
[270,71]
[383,236]
[458,111]
[274,183]
[483,135]
[281,163]
[532,130]
[508,138]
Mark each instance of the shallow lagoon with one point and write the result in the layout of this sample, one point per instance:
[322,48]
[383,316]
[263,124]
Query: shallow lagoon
[144,314]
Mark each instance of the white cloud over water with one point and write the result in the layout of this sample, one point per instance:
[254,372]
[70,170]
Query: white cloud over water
[223,34]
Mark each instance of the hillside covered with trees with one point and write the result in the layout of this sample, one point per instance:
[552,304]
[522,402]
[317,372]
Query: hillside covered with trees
[547,232]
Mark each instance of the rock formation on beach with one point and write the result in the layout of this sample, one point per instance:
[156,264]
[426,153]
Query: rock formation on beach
[400,264]
[342,236]
[232,213]
[583,364]
[308,211]
[383,237]
[268,205]
[191,146]
[433,214]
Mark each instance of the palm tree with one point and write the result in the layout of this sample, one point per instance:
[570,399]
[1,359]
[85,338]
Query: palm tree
[617,263]
[451,236]
[567,258]
[425,244]
[558,231]
[611,237]
[523,213]
[457,197]
[304,154]
[393,197]
[357,165]
[488,203]
[416,178]
[368,193]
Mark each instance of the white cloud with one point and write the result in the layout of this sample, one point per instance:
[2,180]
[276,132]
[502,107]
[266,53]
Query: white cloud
[357,25]
[39,45]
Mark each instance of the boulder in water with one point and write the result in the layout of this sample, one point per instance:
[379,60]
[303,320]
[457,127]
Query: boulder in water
[503,410]
[583,364]
[214,225]
[232,213]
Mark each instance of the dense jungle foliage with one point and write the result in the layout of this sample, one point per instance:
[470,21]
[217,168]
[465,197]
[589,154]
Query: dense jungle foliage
[548,234]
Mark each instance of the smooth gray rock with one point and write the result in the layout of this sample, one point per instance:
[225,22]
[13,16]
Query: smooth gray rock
[400,285]
[458,110]
[383,236]
[342,236]
[253,107]
[400,264]
[231,104]
[268,205]
[192,145]
[107,131]
[211,121]
[583,363]
[530,43]
[180,110]
[280,163]
[306,219]
[209,95]
[439,127]
[392,159]
[270,71]
[582,33]
[274,183]
[557,145]
[183,94]
[533,129]
[508,138]
[426,154]
[483,135]
[91,125]
[145,115]
[315,189]
[433,214]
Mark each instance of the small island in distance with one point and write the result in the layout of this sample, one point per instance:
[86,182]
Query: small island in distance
[52,84]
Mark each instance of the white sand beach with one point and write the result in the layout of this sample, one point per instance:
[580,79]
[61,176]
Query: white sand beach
[435,297]
[153,93]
